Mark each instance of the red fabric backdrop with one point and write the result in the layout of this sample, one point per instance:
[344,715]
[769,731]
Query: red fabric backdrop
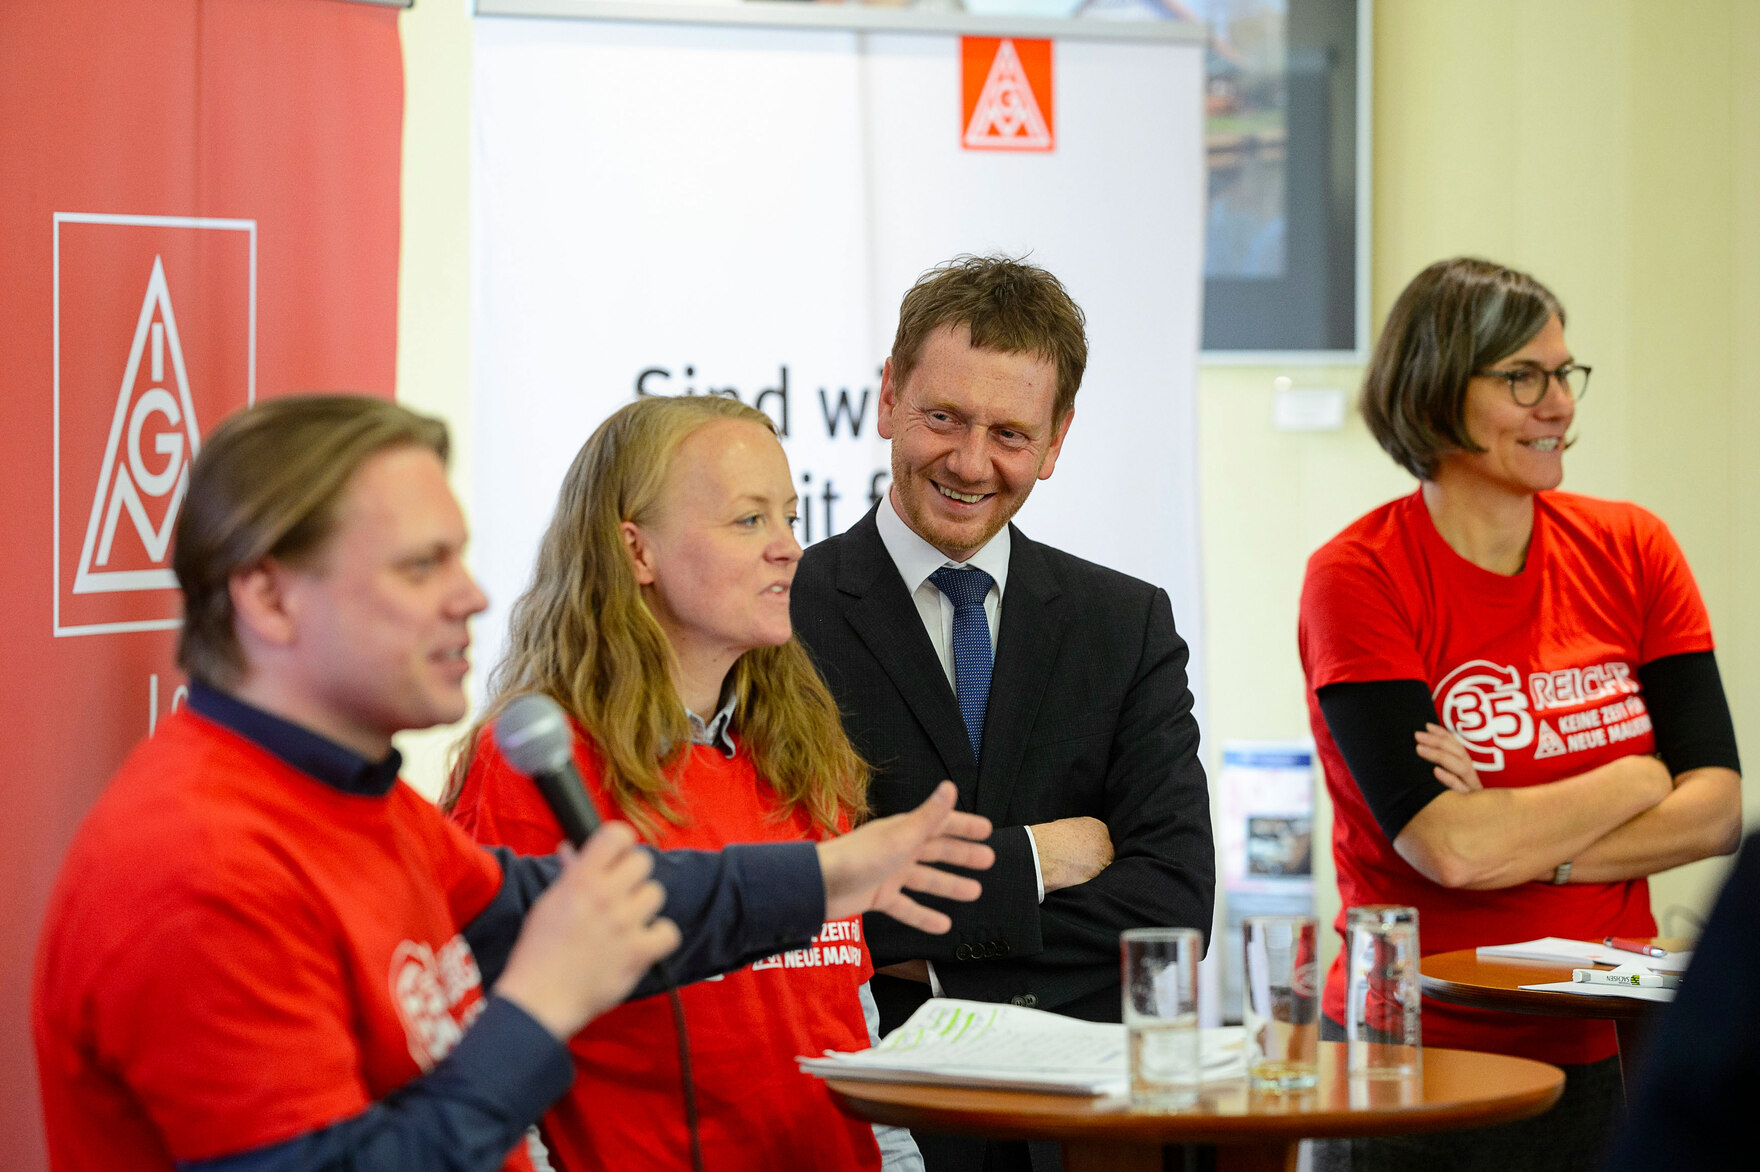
[199,202]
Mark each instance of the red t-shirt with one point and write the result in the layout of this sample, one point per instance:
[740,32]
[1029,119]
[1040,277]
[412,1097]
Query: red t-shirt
[236,954]
[756,1110]
[1537,673]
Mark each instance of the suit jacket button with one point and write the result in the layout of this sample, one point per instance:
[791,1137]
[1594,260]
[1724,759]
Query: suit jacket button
[963,952]
[1026,999]
[1004,948]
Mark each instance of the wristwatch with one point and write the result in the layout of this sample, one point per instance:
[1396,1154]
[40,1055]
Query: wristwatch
[1561,874]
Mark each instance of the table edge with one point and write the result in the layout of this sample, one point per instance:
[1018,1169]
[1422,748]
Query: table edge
[1231,1130]
[1531,1002]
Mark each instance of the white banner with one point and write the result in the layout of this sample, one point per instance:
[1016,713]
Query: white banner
[677,209]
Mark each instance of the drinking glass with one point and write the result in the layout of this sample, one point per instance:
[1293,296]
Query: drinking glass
[1160,973]
[1382,998]
[1282,1011]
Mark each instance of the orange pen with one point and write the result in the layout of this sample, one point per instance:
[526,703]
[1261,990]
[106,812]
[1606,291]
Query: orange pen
[1627,944]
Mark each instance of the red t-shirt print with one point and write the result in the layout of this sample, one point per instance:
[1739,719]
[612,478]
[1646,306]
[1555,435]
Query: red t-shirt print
[437,993]
[1495,713]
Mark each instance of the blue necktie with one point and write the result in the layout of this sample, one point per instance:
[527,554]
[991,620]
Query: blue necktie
[972,656]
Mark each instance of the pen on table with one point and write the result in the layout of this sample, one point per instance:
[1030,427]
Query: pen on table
[1627,944]
[1641,980]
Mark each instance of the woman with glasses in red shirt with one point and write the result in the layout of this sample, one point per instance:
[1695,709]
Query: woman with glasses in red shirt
[1512,688]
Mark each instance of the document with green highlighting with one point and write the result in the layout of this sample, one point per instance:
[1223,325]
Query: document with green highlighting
[1008,1047]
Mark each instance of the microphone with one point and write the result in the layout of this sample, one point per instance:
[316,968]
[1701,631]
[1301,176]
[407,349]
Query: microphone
[536,739]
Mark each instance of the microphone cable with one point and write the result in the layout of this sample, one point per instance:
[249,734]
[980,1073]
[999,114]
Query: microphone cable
[664,973]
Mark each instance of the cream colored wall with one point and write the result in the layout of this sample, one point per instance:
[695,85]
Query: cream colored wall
[1614,151]
[433,314]
[1611,148]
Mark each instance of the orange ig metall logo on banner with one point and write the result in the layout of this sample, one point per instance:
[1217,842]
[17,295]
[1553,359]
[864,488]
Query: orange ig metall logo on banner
[155,343]
[1005,85]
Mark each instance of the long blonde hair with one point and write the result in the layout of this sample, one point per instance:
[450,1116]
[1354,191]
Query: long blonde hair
[583,634]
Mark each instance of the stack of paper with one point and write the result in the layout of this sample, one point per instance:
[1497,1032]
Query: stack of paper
[1010,1047]
[1557,950]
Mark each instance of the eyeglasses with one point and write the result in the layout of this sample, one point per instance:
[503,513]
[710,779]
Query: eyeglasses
[1529,385]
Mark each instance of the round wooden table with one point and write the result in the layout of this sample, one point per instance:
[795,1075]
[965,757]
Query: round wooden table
[1462,978]
[1254,1131]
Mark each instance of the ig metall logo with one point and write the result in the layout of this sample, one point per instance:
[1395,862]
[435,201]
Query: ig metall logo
[155,340]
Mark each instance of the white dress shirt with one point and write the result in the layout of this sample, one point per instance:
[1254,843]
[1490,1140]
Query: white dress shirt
[916,559]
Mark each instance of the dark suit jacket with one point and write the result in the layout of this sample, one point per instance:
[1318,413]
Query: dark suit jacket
[1089,714]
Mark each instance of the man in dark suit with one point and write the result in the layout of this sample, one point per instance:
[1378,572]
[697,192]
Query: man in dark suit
[1051,690]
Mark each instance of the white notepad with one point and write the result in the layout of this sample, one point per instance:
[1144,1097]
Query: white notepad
[1558,950]
[1009,1047]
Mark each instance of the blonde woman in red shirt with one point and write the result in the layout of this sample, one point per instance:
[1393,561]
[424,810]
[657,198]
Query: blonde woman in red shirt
[658,618]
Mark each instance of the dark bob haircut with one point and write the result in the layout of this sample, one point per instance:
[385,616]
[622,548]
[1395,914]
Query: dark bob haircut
[1456,318]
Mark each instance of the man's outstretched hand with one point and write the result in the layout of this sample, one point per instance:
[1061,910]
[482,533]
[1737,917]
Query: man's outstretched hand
[868,869]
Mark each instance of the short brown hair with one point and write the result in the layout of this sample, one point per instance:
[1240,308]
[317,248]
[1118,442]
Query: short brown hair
[267,484]
[1455,318]
[1009,305]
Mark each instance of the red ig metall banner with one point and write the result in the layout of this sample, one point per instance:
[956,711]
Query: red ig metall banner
[199,208]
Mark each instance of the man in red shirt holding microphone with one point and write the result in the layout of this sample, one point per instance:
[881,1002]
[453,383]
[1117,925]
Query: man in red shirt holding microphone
[265,952]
